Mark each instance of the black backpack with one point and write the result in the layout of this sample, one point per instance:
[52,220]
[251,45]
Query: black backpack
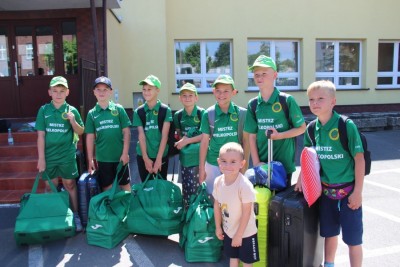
[344,140]
[162,112]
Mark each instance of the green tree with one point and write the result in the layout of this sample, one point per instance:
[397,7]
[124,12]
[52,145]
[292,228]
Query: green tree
[192,56]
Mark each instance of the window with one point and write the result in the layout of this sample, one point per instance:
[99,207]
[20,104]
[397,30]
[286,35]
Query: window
[287,58]
[4,56]
[70,51]
[200,62]
[339,62]
[388,65]
[45,50]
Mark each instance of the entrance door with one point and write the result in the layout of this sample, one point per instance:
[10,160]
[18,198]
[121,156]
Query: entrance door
[36,52]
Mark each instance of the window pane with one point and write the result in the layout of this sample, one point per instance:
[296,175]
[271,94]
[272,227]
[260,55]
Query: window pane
[385,57]
[349,81]
[287,82]
[398,80]
[398,59]
[45,51]
[286,56]
[25,50]
[349,57]
[384,80]
[256,48]
[196,82]
[70,51]
[325,79]
[187,57]
[4,54]
[251,82]
[325,57]
[218,57]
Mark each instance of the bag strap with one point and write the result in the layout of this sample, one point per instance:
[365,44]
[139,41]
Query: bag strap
[311,132]
[211,118]
[114,189]
[142,115]
[201,195]
[242,118]
[162,112]
[45,177]
[343,132]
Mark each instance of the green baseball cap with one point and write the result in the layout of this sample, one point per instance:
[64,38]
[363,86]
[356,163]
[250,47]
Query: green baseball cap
[151,80]
[59,80]
[226,79]
[265,62]
[188,87]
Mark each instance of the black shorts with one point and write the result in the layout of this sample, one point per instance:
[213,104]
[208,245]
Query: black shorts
[107,172]
[247,252]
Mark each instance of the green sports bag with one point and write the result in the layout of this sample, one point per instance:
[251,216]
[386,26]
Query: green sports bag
[43,217]
[107,215]
[156,207]
[198,236]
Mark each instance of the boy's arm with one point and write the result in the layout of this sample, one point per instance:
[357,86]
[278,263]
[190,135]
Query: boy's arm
[244,220]
[126,132]
[205,141]
[218,221]
[184,141]
[90,151]
[287,134]
[355,199]
[253,149]
[161,149]
[246,150]
[143,148]
[78,129]
[41,165]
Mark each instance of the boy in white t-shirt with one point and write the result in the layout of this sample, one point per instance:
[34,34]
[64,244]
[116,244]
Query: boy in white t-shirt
[234,196]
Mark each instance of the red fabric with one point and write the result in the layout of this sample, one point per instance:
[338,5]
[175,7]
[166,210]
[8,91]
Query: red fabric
[311,181]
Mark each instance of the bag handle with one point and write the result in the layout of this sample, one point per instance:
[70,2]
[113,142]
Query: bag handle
[115,187]
[45,177]
[201,195]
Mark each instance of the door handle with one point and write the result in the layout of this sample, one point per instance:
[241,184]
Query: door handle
[16,73]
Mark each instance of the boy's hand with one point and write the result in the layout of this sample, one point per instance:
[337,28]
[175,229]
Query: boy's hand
[124,158]
[157,165]
[202,175]
[181,143]
[219,233]
[149,165]
[41,165]
[355,200]
[298,187]
[236,241]
[274,133]
[71,117]
[91,166]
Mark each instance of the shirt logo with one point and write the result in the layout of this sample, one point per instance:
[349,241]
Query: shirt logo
[114,112]
[176,211]
[96,226]
[334,134]
[46,116]
[74,172]
[148,189]
[234,117]
[276,107]
[96,116]
[196,119]
[206,239]
[155,112]
[64,115]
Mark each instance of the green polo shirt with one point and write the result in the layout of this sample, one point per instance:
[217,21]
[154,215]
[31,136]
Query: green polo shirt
[152,133]
[225,130]
[107,125]
[59,134]
[189,122]
[337,165]
[270,114]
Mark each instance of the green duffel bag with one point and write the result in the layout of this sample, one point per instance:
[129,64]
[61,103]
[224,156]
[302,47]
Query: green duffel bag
[107,216]
[189,155]
[198,237]
[156,207]
[44,217]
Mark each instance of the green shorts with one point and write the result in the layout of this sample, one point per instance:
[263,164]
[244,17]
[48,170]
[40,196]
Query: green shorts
[67,170]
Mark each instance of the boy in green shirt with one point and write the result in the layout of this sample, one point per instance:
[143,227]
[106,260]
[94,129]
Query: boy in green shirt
[269,115]
[152,145]
[58,125]
[342,175]
[227,126]
[107,128]
[187,125]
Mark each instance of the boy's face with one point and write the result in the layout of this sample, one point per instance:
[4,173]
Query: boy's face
[102,93]
[264,76]
[321,101]
[150,92]
[230,163]
[223,93]
[188,98]
[58,94]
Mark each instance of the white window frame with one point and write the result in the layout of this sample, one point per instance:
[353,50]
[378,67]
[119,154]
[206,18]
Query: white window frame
[29,51]
[295,75]
[336,75]
[203,75]
[3,52]
[395,73]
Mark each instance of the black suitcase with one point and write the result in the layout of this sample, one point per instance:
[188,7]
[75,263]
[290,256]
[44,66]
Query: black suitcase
[293,231]
[88,187]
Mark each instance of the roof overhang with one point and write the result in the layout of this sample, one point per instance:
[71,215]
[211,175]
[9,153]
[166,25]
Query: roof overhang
[22,5]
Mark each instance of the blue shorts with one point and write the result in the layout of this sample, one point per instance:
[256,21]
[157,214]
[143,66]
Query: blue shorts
[332,219]
[247,252]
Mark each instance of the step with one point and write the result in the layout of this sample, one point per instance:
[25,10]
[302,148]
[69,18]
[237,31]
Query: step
[19,181]
[18,164]
[19,137]
[18,149]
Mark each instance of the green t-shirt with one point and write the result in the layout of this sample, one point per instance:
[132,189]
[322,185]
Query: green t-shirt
[189,122]
[152,133]
[337,165]
[225,130]
[269,114]
[107,125]
[59,134]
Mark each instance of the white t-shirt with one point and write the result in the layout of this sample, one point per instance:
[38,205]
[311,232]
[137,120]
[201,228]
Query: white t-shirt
[230,199]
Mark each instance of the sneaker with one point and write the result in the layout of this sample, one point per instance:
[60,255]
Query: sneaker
[78,223]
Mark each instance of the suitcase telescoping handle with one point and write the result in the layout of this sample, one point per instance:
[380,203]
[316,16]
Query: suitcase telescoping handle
[270,156]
